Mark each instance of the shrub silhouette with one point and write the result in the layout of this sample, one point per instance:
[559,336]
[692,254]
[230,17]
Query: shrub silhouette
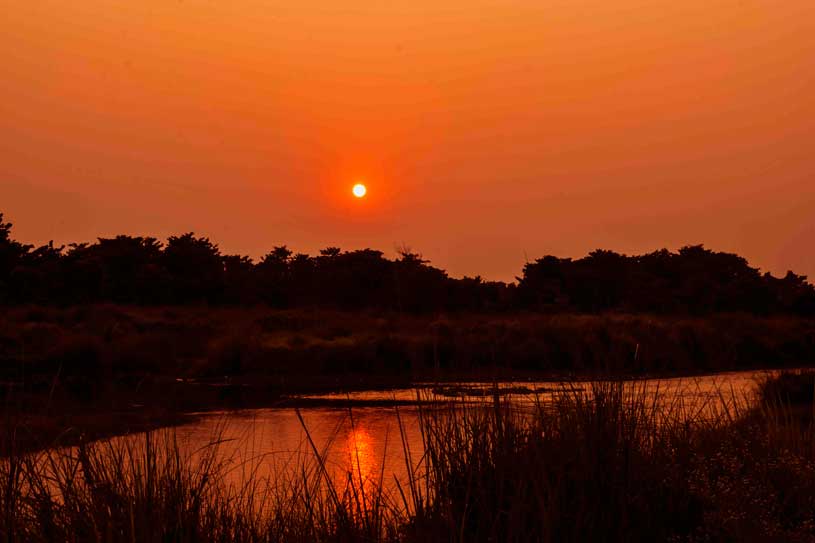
[11,253]
[191,270]
[195,268]
[693,280]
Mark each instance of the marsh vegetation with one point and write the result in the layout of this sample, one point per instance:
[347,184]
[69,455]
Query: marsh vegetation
[99,369]
[604,464]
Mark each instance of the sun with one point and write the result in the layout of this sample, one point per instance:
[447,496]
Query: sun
[360,190]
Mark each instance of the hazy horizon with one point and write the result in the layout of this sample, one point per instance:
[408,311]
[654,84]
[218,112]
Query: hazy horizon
[487,132]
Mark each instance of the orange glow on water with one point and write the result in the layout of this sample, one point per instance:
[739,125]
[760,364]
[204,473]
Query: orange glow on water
[362,461]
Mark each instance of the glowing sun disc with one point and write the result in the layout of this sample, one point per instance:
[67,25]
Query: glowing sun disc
[359,190]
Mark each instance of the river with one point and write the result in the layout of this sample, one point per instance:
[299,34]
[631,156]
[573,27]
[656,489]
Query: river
[369,440]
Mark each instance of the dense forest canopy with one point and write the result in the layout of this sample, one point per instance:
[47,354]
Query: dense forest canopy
[191,270]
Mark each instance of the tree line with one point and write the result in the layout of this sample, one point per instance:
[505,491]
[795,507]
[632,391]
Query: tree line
[188,269]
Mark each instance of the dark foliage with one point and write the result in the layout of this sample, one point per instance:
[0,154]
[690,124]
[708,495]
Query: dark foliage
[694,280]
[191,270]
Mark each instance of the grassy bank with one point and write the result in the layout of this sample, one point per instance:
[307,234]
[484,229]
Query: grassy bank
[327,348]
[603,466]
[101,369]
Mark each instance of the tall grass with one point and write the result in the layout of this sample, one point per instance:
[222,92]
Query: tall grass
[612,463]
[149,490]
[588,467]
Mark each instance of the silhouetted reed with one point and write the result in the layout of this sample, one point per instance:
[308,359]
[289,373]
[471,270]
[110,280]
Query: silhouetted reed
[613,462]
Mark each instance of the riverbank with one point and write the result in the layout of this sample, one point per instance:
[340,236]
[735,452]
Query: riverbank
[68,425]
[606,465]
[99,370]
[323,348]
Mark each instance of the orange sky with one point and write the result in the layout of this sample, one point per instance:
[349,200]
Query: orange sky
[485,130]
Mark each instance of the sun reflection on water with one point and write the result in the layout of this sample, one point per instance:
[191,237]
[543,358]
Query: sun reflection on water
[362,462]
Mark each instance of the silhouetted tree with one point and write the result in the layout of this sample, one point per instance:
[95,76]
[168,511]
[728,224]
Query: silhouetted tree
[273,277]
[11,252]
[420,288]
[355,279]
[543,285]
[195,269]
[302,271]
[190,269]
[793,293]
[693,280]
[37,276]
[475,294]
[239,280]
[130,268]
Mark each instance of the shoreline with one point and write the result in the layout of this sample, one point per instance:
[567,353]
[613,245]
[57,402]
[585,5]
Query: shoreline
[68,428]
[99,370]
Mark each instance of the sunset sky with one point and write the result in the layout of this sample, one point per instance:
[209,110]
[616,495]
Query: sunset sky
[486,131]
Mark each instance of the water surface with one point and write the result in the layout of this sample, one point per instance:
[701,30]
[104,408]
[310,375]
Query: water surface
[365,442]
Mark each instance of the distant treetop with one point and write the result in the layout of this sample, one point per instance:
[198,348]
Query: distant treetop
[191,270]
